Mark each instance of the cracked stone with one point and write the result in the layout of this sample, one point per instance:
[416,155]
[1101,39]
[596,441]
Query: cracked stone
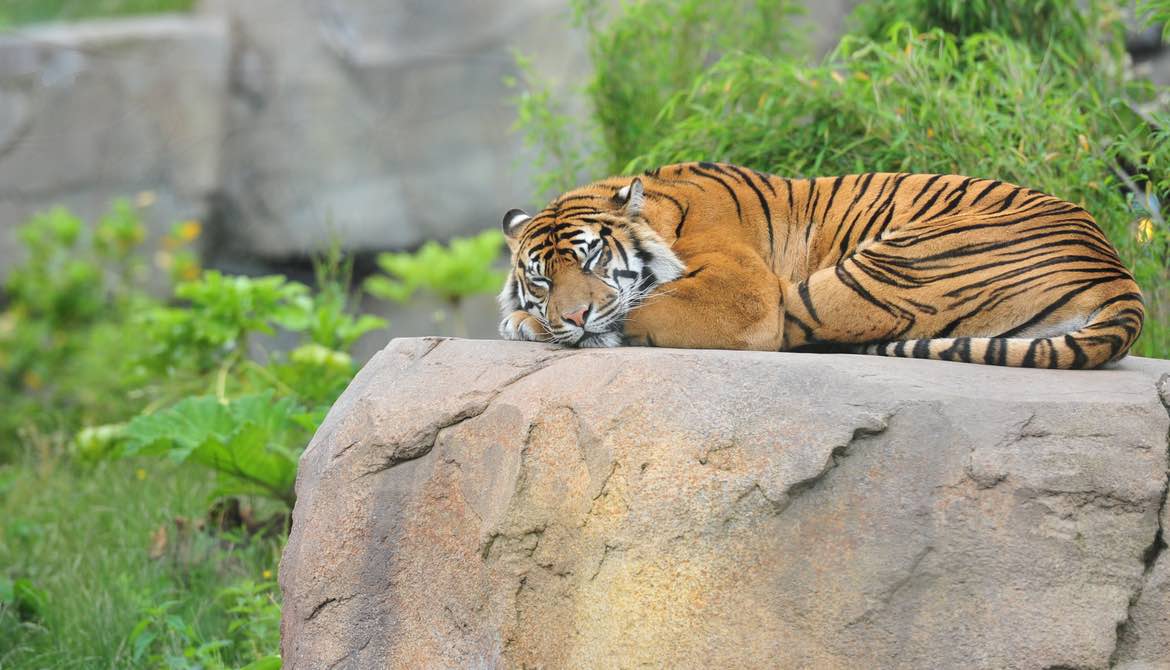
[730,509]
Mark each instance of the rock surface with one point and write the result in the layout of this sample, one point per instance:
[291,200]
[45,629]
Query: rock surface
[379,124]
[492,504]
[108,109]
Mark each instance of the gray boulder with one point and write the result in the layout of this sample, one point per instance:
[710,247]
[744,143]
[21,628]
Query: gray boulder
[379,124]
[492,504]
[105,109]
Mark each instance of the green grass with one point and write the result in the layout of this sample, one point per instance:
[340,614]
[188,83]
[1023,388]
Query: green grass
[83,535]
[18,12]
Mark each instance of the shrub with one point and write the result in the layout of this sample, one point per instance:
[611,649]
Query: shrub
[454,272]
[68,313]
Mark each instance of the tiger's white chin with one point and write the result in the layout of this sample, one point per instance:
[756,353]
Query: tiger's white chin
[600,340]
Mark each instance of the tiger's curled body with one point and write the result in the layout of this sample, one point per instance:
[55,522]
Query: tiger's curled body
[713,255]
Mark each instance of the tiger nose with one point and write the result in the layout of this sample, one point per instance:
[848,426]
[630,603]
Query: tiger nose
[577,316]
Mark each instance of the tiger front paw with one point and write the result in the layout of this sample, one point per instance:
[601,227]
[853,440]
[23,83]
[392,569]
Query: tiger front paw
[522,326]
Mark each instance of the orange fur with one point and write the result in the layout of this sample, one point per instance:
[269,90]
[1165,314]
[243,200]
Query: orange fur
[720,256]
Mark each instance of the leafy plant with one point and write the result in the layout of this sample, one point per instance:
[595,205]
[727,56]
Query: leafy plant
[638,66]
[463,268]
[1156,12]
[245,441]
[250,419]
[254,622]
[1087,36]
[68,313]
[22,598]
[655,48]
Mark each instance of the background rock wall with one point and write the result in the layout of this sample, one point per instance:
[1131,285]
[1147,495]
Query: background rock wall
[108,109]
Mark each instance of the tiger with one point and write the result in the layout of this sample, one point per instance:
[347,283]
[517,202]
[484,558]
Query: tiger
[707,255]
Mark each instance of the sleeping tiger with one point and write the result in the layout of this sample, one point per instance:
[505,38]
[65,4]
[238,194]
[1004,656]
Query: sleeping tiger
[712,255]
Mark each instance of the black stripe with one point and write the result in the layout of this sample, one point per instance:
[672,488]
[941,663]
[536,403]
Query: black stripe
[802,290]
[929,203]
[763,206]
[767,181]
[679,228]
[991,187]
[730,191]
[925,188]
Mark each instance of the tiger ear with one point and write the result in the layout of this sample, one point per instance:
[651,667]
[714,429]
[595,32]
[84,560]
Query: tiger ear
[634,197]
[514,220]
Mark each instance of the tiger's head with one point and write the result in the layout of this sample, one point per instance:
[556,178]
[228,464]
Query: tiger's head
[581,264]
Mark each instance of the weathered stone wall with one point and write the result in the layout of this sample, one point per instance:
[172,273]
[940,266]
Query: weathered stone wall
[107,109]
[492,504]
[382,124]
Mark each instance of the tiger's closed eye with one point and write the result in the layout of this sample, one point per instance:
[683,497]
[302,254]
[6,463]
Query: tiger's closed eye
[538,286]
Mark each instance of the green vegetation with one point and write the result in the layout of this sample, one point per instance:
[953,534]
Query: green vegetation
[148,456]
[1032,93]
[464,268]
[17,12]
[1156,12]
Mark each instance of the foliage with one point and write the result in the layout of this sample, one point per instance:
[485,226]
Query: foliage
[1086,36]
[253,622]
[85,348]
[16,12]
[463,268]
[657,47]
[997,99]
[69,309]
[563,154]
[641,57]
[246,442]
[1156,12]
[256,417]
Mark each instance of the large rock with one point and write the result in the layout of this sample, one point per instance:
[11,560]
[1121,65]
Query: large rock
[492,504]
[106,109]
[379,124]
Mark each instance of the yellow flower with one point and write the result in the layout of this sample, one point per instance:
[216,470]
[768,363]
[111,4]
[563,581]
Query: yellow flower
[190,272]
[1145,230]
[140,473]
[189,230]
[267,574]
[145,199]
[930,133]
